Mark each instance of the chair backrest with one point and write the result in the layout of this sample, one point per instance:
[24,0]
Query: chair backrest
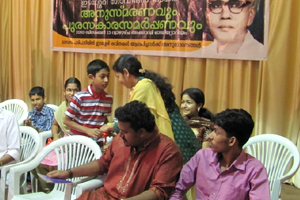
[54,107]
[18,107]
[277,153]
[71,152]
[29,146]
[30,143]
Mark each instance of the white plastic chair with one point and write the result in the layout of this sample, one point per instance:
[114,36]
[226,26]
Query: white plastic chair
[277,153]
[54,107]
[71,152]
[18,107]
[29,147]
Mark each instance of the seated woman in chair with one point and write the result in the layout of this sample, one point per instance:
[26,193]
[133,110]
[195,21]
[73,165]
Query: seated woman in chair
[198,117]
[58,129]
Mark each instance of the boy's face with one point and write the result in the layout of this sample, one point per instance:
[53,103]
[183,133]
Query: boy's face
[219,142]
[37,102]
[100,80]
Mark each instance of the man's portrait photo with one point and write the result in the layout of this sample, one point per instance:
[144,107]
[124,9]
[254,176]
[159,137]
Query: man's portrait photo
[229,22]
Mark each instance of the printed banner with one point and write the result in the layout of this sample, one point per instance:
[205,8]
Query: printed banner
[225,29]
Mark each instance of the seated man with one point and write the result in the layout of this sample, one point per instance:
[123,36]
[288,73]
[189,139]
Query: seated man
[41,116]
[224,171]
[10,138]
[141,163]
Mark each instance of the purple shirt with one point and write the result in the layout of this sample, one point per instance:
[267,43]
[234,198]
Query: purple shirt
[245,179]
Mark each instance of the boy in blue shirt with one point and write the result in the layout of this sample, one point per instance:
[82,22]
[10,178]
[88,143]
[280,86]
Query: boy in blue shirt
[41,116]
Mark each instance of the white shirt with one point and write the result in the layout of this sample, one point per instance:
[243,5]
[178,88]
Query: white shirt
[251,49]
[9,135]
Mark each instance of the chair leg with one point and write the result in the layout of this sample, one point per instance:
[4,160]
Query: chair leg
[276,190]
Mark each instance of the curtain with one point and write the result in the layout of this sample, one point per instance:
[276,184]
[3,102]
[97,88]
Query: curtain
[269,90]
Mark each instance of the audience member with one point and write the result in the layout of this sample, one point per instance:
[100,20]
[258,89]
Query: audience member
[183,134]
[225,171]
[128,71]
[10,138]
[89,108]
[140,162]
[58,129]
[153,89]
[41,116]
[198,117]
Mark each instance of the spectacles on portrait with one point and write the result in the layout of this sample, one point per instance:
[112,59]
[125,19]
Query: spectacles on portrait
[234,6]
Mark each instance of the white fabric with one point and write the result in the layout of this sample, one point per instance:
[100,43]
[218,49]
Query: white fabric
[9,134]
[250,49]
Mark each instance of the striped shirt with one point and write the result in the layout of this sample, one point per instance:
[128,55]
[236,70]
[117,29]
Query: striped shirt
[89,109]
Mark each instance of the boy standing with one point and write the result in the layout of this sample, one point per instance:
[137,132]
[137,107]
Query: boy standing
[89,108]
[41,116]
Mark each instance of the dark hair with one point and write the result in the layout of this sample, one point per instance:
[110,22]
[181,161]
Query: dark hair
[137,114]
[165,88]
[95,66]
[129,62]
[237,123]
[198,96]
[73,80]
[37,91]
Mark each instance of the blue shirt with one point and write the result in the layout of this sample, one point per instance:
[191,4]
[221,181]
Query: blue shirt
[42,120]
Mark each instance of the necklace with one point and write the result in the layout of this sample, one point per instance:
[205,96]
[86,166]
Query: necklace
[122,189]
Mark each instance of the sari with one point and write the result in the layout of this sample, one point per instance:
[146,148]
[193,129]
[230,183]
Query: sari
[147,92]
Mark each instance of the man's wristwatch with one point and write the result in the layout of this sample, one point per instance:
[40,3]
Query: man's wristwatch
[70,173]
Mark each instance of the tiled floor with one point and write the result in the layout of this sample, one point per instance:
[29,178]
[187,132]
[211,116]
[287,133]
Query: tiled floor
[289,192]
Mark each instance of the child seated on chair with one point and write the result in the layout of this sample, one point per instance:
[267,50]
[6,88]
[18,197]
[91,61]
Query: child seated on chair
[89,109]
[41,116]
[58,129]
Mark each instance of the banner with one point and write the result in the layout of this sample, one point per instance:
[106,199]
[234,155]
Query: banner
[225,29]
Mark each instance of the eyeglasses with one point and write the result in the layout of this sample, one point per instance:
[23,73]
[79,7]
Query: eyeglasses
[234,6]
[70,90]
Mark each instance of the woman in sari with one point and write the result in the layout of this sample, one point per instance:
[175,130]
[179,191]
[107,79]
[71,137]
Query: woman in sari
[155,91]
[197,117]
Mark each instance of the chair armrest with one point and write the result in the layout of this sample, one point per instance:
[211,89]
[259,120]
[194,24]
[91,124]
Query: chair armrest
[16,172]
[82,185]
[90,185]
[43,137]
[5,170]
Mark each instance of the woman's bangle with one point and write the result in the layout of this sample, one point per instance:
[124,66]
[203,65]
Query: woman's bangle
[70,173]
